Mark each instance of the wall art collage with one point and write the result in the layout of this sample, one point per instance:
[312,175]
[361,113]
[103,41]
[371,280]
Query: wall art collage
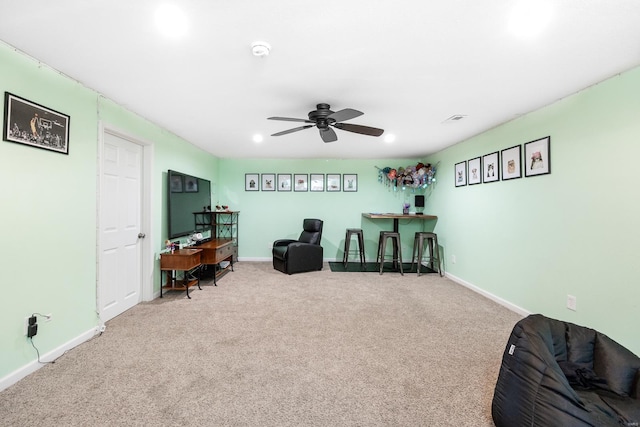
[315,182]
[506,164]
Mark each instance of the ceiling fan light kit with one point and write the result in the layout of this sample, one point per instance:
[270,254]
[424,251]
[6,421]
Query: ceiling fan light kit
[325,119]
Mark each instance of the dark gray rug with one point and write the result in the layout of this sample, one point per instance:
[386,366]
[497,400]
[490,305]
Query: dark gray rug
[374,267]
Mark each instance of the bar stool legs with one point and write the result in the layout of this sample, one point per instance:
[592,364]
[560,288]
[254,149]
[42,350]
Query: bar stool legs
[434,251]
[397,249]
[347,241]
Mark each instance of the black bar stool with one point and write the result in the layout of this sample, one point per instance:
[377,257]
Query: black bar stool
[396,256]
[434,250]
[347,241]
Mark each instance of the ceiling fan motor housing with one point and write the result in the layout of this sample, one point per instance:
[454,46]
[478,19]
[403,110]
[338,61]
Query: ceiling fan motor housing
[321,116]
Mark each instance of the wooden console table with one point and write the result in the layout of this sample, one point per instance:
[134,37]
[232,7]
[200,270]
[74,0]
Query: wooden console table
[214,252]
[184,260]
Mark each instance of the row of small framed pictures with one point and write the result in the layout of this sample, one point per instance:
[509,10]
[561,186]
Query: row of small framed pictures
[301,182]
[490,168]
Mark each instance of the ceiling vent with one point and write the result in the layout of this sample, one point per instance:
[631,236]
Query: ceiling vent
[455,118]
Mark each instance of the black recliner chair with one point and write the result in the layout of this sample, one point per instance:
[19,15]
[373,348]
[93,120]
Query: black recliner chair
[305,254]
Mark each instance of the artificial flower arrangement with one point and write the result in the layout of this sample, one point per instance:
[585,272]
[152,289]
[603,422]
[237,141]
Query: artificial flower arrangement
[414,177]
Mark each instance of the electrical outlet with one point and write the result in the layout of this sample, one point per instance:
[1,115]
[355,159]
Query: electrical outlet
[571,302]
[31,326]
[453,259]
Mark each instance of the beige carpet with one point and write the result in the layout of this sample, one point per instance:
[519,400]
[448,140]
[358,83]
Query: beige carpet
[266,349]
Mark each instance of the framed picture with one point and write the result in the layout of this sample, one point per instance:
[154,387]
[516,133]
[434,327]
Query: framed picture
[350,182]
[511,163]
[474,171]
[490,168]
[176,183]
[190,184]
[333,182]
[316,182]
[301,182]
[251,182]
[26,122]
[461,174]
[268,182]
[284,182]
[537,157]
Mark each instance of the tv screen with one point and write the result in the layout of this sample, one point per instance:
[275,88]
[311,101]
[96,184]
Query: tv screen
[187,195]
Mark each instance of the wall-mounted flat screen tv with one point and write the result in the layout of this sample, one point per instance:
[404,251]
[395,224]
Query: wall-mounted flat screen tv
[187,195]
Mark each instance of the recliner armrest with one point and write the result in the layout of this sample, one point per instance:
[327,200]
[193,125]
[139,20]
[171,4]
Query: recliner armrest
[283,242]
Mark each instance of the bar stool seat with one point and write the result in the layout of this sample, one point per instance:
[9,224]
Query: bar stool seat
[396,256]
[422,237]
[347,242]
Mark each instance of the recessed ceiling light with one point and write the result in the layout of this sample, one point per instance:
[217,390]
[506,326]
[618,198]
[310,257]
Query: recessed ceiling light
[171,21]
[389,137]
[530,17]
[257,138]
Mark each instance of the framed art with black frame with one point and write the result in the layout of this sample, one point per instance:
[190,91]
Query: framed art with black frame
[268,182]
[461,174]
[350,182]
[284,182]
[474,171]
[28,123]
[300,182]
[490,168]
[537,157]
[316,182]
[251,182]
[511,163]
[333,182]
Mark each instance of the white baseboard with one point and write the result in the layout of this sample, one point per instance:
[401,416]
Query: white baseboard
[517,309]
[30,368]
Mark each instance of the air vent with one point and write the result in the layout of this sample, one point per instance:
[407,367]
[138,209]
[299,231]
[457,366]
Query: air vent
[455,118]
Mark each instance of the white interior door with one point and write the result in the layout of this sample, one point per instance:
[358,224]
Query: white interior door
[119,269]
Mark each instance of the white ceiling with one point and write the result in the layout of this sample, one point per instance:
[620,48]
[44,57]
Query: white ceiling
[407,64]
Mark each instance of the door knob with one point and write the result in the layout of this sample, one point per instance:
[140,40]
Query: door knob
[141,235]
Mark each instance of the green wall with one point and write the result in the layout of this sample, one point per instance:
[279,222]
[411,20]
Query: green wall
[48,214]
[533,241]
[266,216]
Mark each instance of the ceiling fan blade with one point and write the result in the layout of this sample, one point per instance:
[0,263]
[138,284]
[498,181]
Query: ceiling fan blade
[365,130]
[284,132]
[328,135]
[346,114]
[290,119]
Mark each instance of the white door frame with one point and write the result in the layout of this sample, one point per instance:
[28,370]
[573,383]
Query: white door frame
[146,220]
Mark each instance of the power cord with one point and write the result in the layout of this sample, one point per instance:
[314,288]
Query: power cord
[38,353]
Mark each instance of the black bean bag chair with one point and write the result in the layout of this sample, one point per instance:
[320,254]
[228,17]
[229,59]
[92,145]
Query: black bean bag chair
[555,373]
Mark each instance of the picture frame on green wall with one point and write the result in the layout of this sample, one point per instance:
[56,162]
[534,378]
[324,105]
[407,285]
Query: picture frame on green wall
[511,163]
[490,168]
[537,157]
[333,182]
[28,123]
[251,182]
[300,182]
[350,182]
[316,182]
[284,182]
[268,182]
[461,174]
[474,171]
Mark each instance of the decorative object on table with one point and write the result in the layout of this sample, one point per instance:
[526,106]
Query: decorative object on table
[511,163]
[490,168]
[415,177]
[300,182]
[349,182]
[537,157]
[474,171]
[461,174]
[405,208]
[324,119]
[333,182]
[284,182]
[28,123]
[316,182]
[251,182]
[268,182]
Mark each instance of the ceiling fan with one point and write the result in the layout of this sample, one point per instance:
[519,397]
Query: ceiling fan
[324,119]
